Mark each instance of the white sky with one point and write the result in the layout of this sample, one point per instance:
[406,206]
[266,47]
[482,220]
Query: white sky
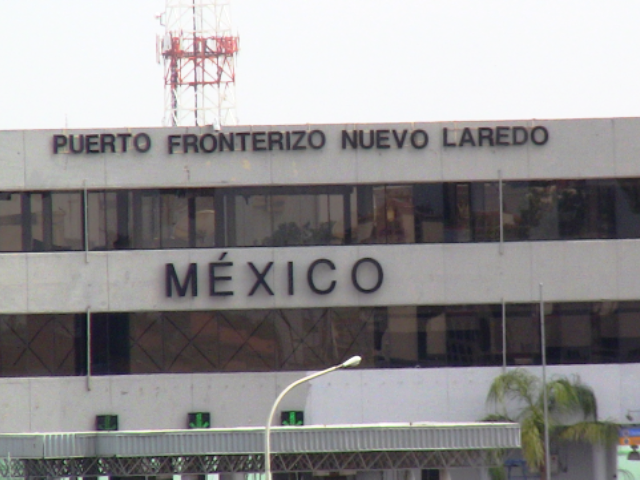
[91,63]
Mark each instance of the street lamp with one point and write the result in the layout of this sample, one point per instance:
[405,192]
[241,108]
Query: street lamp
[352,362]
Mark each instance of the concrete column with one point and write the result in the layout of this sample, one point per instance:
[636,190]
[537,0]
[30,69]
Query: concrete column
[599,458]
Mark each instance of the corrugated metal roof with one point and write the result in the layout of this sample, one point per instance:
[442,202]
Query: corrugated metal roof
[307,439]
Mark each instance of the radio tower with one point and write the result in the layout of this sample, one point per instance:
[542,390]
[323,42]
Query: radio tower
[199,51]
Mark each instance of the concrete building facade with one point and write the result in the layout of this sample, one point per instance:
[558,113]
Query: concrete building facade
[150,273]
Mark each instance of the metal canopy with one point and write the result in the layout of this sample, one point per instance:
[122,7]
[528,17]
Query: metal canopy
[295,449]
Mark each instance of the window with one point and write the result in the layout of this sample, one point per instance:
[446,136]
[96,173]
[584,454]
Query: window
[38,345]
[261,216]
[288,216]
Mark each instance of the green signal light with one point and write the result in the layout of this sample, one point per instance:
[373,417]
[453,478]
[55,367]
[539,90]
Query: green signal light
[292,418]
[107,422]
[199,420]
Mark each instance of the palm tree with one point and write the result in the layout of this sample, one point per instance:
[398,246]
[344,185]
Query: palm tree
[517,396]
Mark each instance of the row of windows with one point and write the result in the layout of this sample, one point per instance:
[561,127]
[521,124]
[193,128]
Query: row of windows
[320,215]
[309,339]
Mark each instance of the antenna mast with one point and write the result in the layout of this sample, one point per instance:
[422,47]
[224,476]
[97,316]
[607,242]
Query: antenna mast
[199,51]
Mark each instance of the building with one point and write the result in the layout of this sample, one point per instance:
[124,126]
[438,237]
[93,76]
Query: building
[152,273]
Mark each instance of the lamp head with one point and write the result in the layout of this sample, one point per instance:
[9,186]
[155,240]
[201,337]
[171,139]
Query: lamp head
[352,362]
[634,455]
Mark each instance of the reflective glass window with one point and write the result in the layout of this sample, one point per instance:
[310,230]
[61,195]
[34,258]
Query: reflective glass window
[523,334]
[11,222]
[628,331]
[385,214]
[432,336]
[457,207]
[485,208]
[429,212]
[559,209]
[110,344]
[568,332]
[250,221]
[66,221]
[175,221]
[174,342]
[530,211]
[36,209]
[41,221]
[110,220]
[150,219]
[474,335]
[144,208]
[305,220]
[202,213]
[472,212]
[627,208]
[309,339]
[604,319]
[38,345]
[97,224]
[586,209]
[288,216]
[398,342]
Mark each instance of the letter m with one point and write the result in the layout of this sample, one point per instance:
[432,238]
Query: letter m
[173,280]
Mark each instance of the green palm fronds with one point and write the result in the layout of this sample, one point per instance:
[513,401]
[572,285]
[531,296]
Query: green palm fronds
[590,432]
[572,407]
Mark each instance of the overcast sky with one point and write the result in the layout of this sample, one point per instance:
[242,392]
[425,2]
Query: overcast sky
[92,63]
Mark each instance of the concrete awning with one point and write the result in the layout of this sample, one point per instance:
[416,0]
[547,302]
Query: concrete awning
[303,448]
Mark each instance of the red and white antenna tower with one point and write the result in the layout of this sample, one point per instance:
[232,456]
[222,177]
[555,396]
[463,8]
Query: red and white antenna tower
[199,51]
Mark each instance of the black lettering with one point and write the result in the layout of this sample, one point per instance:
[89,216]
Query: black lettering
[371,139]
[523,138]
[275,138]
[290,277]
[213,278]
[92,143]
[288,140]
[142,142]
[260,280]
[320,144]
[542,138]
[414,139]
[400,140]
[353,142]
[107,140]
[243,140]
[382,139]
[312,285]
[354,275]
[467,137]
[173,142]
[211,145]
[80,147]
[485,133]
[173,280]
[226,141]
[258,140]
[59,141]
[502,136]
[124,143]
[298,136]
[445,140]
[190,140]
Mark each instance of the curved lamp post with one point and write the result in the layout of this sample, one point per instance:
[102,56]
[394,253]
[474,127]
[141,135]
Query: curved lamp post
[352,362]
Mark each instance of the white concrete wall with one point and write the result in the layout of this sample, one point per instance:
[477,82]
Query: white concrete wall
[413,275]
[244,399]
[576,149]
